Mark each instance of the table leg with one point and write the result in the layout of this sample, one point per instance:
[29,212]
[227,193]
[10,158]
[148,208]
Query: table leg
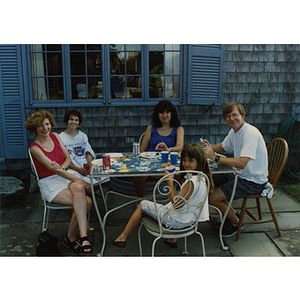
[226,212]
[97,209]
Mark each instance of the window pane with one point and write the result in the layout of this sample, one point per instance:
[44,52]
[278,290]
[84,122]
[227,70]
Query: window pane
[172,87]
[117,63]
[156,47]
[95,87]
[134,87]
[118,47]
[37,47]
[117,87]
[133,63]
[156,62]
[133,47]
[172,46]
[93,47]
[77,63]
[78,88]
[38,64]
[94,63]
[156,86]
[56,90]
[53,47]
[39,89]
[54,63]
[172,63]
[77,47]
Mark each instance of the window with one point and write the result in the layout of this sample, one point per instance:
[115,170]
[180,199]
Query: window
[164,71]
[125,71]
[121,74]
[86,71]
[46,72]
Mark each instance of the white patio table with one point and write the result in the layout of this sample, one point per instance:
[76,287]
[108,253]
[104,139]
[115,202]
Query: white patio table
[126,165]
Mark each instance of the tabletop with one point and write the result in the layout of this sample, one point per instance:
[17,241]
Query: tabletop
[139,165]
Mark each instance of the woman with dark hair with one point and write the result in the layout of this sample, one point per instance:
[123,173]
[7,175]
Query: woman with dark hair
[164,134]
[78,146]
[51,160]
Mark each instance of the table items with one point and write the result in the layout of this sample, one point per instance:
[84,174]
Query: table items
[164,156]
[174,157]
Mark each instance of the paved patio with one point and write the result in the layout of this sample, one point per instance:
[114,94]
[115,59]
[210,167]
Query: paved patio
[21,225]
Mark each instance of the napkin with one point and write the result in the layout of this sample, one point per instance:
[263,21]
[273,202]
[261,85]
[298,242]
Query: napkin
[268,191]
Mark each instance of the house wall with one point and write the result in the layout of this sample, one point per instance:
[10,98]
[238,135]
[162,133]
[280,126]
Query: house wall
[264,78]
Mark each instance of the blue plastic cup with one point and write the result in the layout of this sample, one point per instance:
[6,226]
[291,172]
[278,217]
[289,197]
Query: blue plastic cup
[174,157]
[170,169]
[164,156]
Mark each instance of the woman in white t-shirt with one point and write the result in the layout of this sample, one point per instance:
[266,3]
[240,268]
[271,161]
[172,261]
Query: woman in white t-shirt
[78,146]
[192,158]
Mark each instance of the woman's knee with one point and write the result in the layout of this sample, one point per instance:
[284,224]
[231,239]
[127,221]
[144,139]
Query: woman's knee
[77,187]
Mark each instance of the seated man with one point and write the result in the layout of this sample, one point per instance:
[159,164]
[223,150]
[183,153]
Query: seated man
[250,156]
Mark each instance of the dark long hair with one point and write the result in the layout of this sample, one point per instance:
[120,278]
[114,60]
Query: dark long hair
[162,106]
[196,151]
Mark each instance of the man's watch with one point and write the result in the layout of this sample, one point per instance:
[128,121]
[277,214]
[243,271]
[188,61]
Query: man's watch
[217,158]
[171,150]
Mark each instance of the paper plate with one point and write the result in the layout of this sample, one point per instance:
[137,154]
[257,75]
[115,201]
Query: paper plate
[150,154]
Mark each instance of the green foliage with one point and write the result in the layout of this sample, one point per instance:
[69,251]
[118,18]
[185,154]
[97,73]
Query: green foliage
[294,190]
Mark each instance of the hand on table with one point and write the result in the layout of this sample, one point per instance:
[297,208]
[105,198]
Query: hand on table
[162,147]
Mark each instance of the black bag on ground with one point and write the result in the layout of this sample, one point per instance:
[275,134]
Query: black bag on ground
[47,245]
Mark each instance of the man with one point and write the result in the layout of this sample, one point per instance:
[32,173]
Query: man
[250,156]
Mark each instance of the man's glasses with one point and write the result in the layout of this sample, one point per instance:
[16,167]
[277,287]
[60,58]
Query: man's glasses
[234,116]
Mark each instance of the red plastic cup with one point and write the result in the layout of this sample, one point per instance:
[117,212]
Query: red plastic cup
[87,168]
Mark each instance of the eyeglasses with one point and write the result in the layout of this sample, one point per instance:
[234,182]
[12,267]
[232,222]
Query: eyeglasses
[234,116]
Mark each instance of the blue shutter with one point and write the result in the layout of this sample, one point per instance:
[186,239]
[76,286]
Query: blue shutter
[12,103]
[205,74]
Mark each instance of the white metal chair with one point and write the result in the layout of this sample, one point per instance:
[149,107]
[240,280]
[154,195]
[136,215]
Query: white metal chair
[155,227]
[47,206]
[141,138]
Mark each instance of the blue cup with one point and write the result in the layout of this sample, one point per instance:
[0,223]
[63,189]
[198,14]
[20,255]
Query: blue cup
[170,169]
[174,157]
[164,156]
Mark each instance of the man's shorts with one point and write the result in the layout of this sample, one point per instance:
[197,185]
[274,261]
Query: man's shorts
[244,188]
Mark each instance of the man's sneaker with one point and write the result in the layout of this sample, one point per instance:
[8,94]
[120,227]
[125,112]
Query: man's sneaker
[230,230]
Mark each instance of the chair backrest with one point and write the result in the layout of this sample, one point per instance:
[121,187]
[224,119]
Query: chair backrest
[141,138]
[278,151]
[180,202]
[34,171]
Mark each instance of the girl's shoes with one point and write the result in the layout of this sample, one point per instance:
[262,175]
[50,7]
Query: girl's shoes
[172,245]
[119,244]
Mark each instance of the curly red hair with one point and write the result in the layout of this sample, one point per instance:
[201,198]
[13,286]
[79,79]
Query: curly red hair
[37,118]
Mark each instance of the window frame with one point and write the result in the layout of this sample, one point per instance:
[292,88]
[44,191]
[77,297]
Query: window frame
[145,100]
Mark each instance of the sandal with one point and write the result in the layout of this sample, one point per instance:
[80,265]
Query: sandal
[85,247]
[71,245]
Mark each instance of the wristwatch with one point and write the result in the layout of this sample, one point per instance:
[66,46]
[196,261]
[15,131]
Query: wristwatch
[171,150]
[217,158]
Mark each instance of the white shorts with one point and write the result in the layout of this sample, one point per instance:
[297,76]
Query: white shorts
[51,186]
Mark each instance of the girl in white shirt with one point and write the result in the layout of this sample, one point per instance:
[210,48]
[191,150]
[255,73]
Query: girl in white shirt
[78,146]
[192,158]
